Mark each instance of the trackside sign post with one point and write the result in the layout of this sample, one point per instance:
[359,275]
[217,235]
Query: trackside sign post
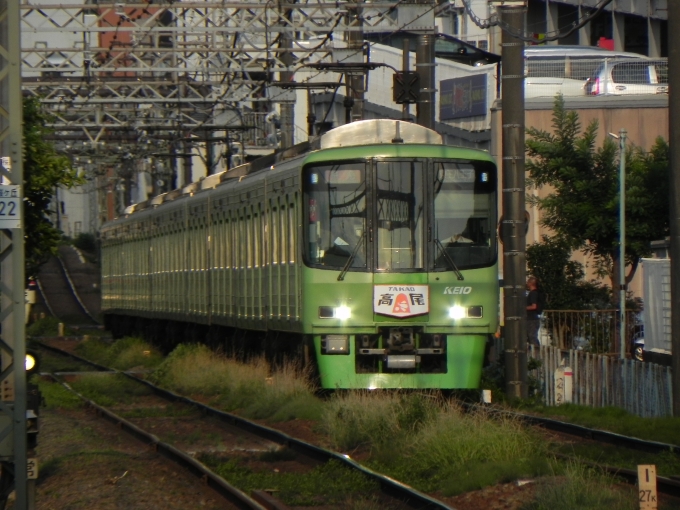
[647,486]
[10,206]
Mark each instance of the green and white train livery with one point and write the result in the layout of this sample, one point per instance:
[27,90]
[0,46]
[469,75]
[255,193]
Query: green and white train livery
[374,254]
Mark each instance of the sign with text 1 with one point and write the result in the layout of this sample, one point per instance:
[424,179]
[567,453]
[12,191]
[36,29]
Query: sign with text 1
[463,97]
[401,300]
[10,206]
[647,486]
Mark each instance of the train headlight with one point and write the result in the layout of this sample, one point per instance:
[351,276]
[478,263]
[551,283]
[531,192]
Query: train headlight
[471,312]
[337,312]
[342,312]
[457,312]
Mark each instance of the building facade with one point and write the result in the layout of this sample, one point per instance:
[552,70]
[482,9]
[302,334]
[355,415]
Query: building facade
[638,26]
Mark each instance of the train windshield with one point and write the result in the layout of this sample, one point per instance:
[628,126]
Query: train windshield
[400,215]
[390,215]
[336,211]
[464,215]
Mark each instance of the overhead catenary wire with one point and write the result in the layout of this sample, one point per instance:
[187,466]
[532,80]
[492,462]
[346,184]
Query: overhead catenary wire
[494,21]
[208,111]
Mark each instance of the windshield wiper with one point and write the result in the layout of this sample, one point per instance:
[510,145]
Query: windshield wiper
[448,259]
[342,274]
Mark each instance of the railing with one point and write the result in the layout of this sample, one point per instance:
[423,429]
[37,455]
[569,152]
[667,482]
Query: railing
[256,136]
[643,389]
[595,331]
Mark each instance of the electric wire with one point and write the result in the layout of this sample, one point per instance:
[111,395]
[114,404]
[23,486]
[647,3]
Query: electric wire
[210,111]
[494,21]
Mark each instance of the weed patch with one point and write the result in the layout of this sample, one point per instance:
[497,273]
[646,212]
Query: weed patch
[252,388]
[372,419]
[124,354]
[331,483]
[58,397]
[52,363]
[109,389]
[665,430]
[47,326]
[583,488]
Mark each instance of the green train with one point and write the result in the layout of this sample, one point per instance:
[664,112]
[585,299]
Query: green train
[372,254]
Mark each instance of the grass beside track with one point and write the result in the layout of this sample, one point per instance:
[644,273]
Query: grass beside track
[613,419]
[418,438]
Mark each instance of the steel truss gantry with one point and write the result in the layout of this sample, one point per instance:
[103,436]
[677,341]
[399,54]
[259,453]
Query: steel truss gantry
[117,73]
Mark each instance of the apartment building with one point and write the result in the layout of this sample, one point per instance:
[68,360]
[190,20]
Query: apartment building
[638,26]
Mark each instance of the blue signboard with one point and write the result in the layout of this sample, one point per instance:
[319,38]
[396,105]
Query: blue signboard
[462,97]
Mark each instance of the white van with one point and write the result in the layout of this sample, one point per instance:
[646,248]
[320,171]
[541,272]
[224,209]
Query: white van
[625,77]
[564,69]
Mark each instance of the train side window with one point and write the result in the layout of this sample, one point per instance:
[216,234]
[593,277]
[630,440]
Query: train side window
[274,236]
[229,241]
[257,219]
[249,242]
[285,236]
[292,232]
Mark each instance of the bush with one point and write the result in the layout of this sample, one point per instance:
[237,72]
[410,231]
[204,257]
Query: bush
[252,388]
[124,354]
[47,326]
[85,242]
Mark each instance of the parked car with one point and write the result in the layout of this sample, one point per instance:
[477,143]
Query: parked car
[624,77]
[564,69]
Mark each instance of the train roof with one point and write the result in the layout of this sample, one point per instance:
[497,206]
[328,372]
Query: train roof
[374,132]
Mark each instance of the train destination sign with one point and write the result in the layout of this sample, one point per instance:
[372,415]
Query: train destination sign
[401,300]
[10,206]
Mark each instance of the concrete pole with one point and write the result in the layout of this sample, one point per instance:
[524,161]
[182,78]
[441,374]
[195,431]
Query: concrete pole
[405,67]
[425,67]
[674,142]
[622,241]
[514,246]
[356,81]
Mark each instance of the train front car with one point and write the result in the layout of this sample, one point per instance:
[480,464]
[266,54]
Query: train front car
[400,284]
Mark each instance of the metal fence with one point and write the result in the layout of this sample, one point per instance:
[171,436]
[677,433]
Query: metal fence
[573,76]
[595,331]
[643,389]
[256,135]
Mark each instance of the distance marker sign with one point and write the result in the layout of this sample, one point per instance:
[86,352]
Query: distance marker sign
[10,206]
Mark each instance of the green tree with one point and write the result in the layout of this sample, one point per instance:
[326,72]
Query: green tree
[561,279]
[44,170]
[582,207]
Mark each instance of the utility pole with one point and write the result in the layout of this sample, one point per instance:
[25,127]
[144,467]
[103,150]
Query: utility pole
[13,389]
[356,80]
[513,226]
[425,68]
[674,188]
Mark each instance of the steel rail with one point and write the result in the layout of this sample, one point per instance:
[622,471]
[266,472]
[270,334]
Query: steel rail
[601,436]
[393,488]
[665,485]
[73,289]
[196,468]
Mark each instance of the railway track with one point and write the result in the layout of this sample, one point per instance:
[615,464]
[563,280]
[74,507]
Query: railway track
[665,485]
[261,439]
[66,288]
